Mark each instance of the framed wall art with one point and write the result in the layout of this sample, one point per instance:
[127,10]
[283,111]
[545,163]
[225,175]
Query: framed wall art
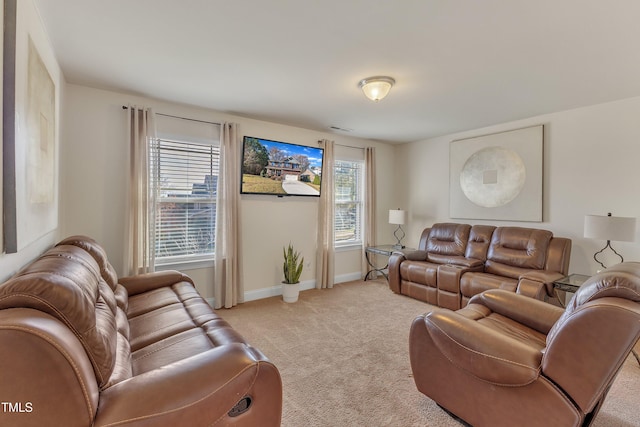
[30,128]
[497,176]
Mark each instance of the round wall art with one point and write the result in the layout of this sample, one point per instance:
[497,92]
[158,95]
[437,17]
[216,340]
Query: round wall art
[492,177]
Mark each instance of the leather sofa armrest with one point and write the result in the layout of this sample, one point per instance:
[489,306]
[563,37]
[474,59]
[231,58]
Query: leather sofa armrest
[395,260]
[149,281]
[42,358]
[544,277]
[201,389]
[416,255]
[533,313]
[482,352]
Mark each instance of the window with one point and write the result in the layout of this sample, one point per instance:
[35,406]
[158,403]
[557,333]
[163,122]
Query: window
[186,178]
[349,202]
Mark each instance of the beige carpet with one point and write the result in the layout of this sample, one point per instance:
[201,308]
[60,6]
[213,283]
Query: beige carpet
[343,357]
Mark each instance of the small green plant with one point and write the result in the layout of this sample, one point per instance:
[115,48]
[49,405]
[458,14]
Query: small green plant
[292,268]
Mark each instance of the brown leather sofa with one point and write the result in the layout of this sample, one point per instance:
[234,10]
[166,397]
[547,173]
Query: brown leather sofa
[454,262]
[510,360]
[80,347]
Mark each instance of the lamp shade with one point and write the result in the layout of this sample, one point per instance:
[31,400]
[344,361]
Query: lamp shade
[376,88]
[620,229]
[397,216]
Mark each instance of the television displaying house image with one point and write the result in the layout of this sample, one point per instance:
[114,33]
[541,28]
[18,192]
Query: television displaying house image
[280,169]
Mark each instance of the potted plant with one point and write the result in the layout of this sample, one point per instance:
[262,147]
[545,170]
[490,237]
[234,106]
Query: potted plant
[292,270]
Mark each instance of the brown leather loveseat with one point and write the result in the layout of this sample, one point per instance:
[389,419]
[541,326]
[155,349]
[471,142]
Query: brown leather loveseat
[510,360]
[80,347]
[454,262]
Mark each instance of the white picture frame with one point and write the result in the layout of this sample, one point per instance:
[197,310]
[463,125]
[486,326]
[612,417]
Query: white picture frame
[497,176]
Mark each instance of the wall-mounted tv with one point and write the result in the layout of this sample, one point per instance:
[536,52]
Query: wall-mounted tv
[280,169]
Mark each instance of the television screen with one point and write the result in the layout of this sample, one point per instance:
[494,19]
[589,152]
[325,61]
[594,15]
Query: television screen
[280,168]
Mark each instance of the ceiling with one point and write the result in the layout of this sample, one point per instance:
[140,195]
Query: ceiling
[458,64]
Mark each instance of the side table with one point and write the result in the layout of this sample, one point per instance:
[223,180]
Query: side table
[572,283]
[383,250]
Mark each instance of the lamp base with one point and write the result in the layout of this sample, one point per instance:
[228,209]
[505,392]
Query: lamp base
[608,245]
[399,244]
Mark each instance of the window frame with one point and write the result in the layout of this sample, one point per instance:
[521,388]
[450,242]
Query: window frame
[182,261]
[358,241]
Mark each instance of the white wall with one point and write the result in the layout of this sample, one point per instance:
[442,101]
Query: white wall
[590,167]
[94,157]
[29,18]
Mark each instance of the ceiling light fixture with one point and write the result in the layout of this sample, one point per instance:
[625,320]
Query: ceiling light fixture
[376,88]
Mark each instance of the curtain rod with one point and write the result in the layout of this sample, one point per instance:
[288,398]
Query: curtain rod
[344,145]
[124,107]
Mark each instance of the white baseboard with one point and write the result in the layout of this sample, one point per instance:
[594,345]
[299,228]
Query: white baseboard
[305,285]
[350,277]
[274,291]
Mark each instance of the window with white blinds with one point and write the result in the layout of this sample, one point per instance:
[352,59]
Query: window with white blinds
[185,177]
[349,202]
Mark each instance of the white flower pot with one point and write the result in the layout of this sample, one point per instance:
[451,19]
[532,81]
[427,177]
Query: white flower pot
[290,292]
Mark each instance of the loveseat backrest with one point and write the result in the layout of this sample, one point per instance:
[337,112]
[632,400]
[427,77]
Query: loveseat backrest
[513,250]
[447,240]
[479,240]
[66,283]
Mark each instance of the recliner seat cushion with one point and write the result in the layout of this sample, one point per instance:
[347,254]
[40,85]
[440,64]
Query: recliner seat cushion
[473,283]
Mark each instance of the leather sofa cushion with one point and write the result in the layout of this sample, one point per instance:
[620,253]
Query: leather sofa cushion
[448,239]
[518,247]
[479,240]
[107,271]
[423,273]
[454,260]
[473,283]
[66,283]
[180,324]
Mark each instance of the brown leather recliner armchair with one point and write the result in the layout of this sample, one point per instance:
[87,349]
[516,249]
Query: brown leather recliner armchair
[508,360]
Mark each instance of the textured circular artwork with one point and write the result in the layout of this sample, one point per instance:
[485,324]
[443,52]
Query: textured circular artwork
[492,177]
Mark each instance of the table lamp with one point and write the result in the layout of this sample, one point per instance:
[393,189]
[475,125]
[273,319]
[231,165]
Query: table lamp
[620,229]
[399,217]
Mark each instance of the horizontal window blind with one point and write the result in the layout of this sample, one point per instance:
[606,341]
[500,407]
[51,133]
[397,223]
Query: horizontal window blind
[348,201]
[185,178]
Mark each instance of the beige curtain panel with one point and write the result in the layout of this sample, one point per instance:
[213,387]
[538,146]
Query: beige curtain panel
[228,288]
[369,232]
[140,250]
[326,209]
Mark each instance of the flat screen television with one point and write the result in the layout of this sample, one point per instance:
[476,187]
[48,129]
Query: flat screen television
[280,169]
